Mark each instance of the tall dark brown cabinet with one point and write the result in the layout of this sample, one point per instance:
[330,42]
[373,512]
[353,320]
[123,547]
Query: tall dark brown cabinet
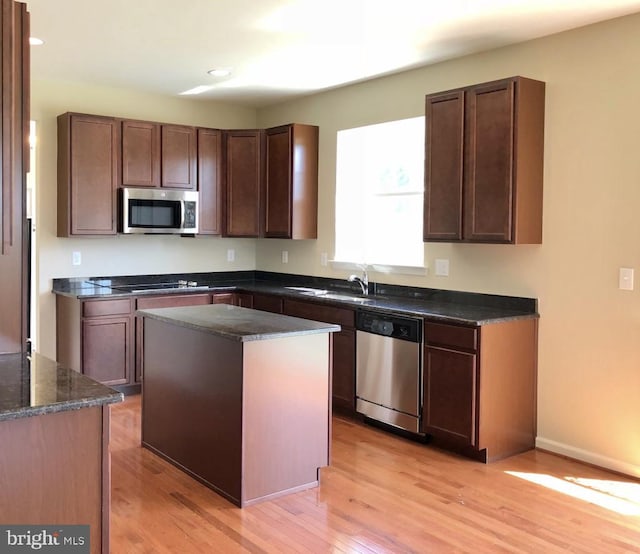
[484,154]
[14,233]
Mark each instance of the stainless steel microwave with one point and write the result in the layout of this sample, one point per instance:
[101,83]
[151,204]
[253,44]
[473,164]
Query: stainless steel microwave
[158,211]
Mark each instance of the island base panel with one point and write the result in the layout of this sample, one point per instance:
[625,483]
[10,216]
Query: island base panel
[286,413]
[192,403]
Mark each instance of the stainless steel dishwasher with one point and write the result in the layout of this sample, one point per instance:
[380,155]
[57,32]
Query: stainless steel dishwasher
[389,368]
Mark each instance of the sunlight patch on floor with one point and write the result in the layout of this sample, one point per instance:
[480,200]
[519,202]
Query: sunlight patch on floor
[618,496]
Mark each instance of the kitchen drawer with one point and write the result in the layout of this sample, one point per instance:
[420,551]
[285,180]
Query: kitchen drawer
[439,334]
[172,301]
[320,312]
[99,308]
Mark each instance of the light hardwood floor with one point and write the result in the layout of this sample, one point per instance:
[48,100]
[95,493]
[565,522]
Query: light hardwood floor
[381,494]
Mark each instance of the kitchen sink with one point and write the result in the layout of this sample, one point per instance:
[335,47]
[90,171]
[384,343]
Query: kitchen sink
[348,298]
[308,290]
[324,293]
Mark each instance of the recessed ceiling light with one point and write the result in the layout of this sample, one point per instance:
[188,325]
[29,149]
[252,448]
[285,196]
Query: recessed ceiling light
[35,41]
[198,90]
[220,72]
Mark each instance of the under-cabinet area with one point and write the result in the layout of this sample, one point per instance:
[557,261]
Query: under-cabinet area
[475,381]
[250,183]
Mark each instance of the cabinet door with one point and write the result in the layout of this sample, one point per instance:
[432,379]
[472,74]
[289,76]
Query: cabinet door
[88,161]
[489,162]
[267,303]
[14,154]
[140,154]
[278,182]
[179,157]
[106,349]
[243,159]
[210,181]
[444,148]
[450,395]
[343,385]
[244,300]
[291,182]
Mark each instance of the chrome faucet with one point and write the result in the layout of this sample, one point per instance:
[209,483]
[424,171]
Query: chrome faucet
[362,281]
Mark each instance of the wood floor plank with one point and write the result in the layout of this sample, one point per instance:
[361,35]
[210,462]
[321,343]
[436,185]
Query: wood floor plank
[382,494]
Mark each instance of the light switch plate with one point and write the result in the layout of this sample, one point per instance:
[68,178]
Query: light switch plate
[324,259]
[285,257]
[76,258]
[231,255]
[442,267]
[625,279]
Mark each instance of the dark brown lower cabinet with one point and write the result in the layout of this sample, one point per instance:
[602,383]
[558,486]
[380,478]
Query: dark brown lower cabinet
[450,394]
[243,299]
[480,387]
[106,346]
[267,303]
[96,337]
[102,338]
[344,374]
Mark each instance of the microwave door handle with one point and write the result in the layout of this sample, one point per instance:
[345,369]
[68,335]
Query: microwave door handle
[182,213]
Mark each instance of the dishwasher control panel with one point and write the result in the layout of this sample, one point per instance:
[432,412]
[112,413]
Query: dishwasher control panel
[389,326]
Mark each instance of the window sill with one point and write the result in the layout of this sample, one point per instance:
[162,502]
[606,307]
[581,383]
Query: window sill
[379,268]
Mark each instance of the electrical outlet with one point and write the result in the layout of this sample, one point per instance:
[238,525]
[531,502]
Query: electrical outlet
[231,255]
[76,258]
[442,267]
[285,257]
[324,259]
[625,278]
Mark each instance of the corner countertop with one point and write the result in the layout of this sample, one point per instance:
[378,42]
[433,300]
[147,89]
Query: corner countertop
[238,324]
[35,385]
[466,308]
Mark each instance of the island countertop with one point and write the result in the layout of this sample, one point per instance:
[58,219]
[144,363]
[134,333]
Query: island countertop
[239,324]
[36,385]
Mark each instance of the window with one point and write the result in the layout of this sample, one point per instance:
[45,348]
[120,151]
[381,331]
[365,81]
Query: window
[379,190]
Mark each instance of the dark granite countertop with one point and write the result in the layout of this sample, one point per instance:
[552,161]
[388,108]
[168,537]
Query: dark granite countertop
[444,305]
[37,385]
[239,324]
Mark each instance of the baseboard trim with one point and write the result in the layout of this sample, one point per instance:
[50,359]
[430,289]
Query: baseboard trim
[588,457]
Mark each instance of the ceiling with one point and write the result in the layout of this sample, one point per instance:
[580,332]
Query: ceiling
[280,48]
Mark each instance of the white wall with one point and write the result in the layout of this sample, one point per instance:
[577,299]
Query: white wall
[120,255]
[589,341]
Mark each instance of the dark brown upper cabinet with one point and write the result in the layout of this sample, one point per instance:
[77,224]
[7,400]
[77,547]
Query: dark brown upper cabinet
[210,181]
[243,150]
[179,155]
[291,182]
[88,164]
[157,155]
[140,154]
[484,153]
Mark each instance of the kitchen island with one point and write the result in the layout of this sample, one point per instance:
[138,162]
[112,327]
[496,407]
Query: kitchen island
[54,459]
[238,398]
